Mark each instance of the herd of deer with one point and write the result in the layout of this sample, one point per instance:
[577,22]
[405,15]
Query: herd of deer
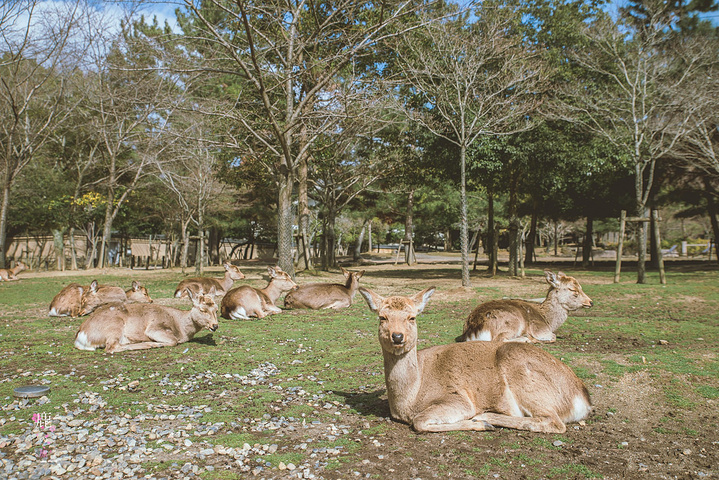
[493,375]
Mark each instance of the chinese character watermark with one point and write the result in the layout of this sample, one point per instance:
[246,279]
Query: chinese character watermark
[42,421]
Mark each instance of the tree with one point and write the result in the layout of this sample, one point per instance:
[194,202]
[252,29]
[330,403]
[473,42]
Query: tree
[471,81]
[628,95]
[37,45]
[285,55]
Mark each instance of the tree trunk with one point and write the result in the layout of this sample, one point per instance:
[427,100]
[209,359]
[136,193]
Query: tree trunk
[464,232]
[3,223]
[369,236]
[588,242]
[284,223]
[713,211]
[491,233]
[642,246]
[304,261]
[408,230]
[185,244]
[73,250]
[357,256]
[329,240]
[106,231]
[513,230]
[529,256]
[58,240]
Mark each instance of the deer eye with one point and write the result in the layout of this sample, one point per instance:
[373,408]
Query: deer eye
[382,318]
[412,319]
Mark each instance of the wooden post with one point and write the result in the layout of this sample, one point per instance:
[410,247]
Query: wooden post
[660,259]
[618,268]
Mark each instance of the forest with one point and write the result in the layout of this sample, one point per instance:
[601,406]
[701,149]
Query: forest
[315,127]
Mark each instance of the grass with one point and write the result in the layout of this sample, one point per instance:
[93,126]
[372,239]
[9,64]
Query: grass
[667,333]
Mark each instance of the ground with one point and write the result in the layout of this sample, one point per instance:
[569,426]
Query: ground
[301,394]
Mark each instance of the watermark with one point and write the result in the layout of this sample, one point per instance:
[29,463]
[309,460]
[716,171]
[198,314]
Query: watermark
[42,421]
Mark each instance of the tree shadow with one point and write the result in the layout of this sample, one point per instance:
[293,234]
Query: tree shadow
[372,403]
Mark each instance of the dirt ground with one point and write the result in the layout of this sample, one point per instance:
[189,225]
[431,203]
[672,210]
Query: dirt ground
[634,432]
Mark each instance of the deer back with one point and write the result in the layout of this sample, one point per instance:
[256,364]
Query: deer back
[512,319]
[246,301]
[317,296]
[210,285]
[67,301]
[96,295]
[120,326]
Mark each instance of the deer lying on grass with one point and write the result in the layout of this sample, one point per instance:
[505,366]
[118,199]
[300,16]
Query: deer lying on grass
[133,326]
[10,274]
[473,385]
[325,295]
[67,302]
[523,321]
[209,285]
[245,301]
[96,295]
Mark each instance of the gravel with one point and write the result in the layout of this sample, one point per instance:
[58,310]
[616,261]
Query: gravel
[89,439]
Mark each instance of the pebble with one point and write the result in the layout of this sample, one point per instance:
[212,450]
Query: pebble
[92,439]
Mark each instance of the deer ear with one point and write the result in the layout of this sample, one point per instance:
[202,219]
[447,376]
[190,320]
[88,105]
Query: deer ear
[135,285]
[190,294]
[360,273]
[420,299]
[551,278]
[373,300]
[93,286]
[272,271]
[345,272]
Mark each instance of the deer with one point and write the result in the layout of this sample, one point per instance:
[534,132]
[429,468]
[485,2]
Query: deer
[319,296]
[523,321]
[96,295]
[471,385]
[67,302]
[245,301]
[10,274]
[118,327]
[209,285]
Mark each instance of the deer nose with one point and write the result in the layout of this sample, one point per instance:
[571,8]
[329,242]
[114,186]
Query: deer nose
[214,327]
[397,338]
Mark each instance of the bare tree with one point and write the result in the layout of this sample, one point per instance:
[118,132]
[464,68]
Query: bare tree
[130,104]
[629,96]
[36,48]
[475,81]
[188,169]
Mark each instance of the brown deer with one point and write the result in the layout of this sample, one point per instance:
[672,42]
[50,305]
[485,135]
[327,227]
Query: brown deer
[209,285]
[523,321]
[68,301]
[134,326]
[473,385]
[245,301]
[325,295]
[96,295]
[10,274]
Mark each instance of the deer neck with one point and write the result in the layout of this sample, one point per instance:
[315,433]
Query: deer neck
[553,311]
[352,284]
[189,322]
[226,281]
[403,378]
[272,291]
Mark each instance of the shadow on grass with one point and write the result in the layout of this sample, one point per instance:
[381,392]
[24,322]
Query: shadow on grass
[367,403]
[205,340]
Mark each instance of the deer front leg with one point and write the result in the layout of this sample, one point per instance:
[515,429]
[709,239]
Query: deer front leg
[544,424]
[158,338]
[448,416]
